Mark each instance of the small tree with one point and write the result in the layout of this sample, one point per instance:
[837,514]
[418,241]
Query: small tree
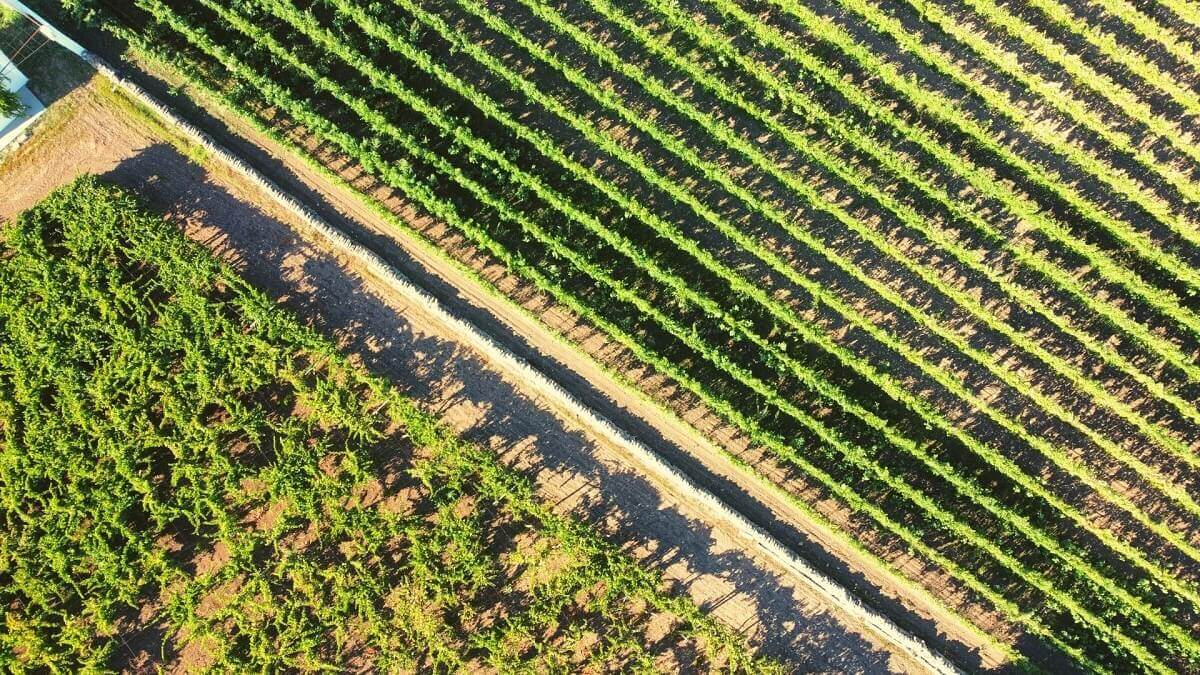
[11,105]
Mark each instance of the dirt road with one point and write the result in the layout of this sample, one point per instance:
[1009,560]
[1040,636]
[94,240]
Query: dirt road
[95,130]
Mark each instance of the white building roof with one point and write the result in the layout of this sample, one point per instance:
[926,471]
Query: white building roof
[16,79]
[10,127]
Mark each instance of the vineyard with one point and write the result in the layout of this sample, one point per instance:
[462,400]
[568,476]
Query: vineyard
[181,458]
[938,261]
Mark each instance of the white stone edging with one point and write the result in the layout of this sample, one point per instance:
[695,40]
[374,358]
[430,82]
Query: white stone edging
[666,473]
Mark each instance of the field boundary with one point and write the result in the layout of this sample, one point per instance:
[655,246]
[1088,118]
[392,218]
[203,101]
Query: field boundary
[658,469]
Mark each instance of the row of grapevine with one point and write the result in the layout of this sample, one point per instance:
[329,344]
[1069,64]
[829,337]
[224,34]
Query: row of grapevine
[329,42]
[1137,64]
[250,110]
[1020,206]
[1153,30]
[632,27]
[465,48]
[947,111]
[900,169]
[1083,76]
[363,20]
[957,388]
[632,343]
[913,220]
[96,320]
[965,300]
[1119,181]
[1033,260]
[1186,11]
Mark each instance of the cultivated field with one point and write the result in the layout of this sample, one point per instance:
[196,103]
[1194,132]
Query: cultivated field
[574,467]
[935,264]
[184,460]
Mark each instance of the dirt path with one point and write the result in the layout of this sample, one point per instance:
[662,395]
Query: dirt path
[94,130]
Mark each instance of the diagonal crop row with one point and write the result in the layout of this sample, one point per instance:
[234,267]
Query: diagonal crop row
[1028,211]
[350,140]
[1152,30]
[968,258]
[1168,442]
[1183,9]
[465,46]
[446,212]
[251,109]
[1083,76]
[913,220]
[1132,60]
[1123,184]
[951,113]
[347,139]
[942,378]
[980,180]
